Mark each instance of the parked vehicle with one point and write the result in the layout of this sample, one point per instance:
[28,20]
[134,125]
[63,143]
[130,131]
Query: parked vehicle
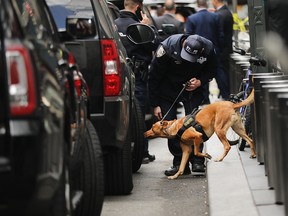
[90,34]
[47,145]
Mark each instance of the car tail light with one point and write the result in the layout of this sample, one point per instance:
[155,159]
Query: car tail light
[21,81]
[71,59]
[77,83]
[111,68]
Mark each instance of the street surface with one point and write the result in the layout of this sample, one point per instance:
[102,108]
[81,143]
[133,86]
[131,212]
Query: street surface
[155,195]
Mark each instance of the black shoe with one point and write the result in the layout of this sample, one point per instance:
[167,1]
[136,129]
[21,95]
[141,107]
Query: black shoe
[174,169]
[198,167]
[151,157]
[145,160]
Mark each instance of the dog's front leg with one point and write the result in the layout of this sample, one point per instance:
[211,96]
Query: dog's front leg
[198,153]
[186,151]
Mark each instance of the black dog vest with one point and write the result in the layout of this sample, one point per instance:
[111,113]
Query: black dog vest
[190,122]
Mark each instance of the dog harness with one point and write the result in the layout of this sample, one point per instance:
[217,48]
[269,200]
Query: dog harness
[191,122]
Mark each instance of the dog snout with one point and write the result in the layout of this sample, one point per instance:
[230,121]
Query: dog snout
[149,134]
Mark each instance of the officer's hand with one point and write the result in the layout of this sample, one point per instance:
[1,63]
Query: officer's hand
[145,19]
[157,112]
[193,84]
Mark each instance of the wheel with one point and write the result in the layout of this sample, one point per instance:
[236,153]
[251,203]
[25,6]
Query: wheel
[90,169]
[118,170]
[137,144]
[247,124]
[232,137]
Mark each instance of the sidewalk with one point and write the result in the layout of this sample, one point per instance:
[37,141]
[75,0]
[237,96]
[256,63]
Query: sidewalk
[238,186]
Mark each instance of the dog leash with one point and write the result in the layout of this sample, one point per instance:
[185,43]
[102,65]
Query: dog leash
[186,84]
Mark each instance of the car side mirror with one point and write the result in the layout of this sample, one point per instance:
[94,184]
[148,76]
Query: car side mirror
[80,27]
[140,33]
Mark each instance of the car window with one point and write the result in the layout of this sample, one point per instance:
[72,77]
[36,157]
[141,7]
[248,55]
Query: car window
[30,19]
[61,9]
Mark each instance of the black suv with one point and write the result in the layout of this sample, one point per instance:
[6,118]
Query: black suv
[90,34]
[48,147]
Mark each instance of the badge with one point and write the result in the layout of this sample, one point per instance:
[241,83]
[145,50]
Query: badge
[201,60]
[160,52]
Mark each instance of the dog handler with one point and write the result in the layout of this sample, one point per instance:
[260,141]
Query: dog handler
[179,59]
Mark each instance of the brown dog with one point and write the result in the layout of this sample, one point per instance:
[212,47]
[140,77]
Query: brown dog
[217,117]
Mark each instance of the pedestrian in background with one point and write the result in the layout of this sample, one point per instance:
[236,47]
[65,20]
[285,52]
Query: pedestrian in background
[169,18]
[226,21]
[142,55]
[179,59]
[207,25]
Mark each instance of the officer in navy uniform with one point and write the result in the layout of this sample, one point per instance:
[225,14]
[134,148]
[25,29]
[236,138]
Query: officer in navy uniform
[181,59]
[141,54]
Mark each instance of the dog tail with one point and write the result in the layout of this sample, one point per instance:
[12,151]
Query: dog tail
[245,102]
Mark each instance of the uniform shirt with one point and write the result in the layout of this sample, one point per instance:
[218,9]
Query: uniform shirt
[168,71]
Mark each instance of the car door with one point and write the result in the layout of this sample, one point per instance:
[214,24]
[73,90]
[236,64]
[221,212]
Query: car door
[4,108]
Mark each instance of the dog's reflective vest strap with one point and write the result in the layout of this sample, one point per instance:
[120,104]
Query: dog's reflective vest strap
[190,122]
[187,123]
[200,130]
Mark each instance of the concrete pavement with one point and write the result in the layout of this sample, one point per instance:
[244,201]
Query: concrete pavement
[238,186]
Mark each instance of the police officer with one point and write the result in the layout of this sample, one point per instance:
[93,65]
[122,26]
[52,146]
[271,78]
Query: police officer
[178,60]
[141,54]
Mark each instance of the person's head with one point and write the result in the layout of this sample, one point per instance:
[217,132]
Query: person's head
[170,6]
[217,3]
[202,3]
[194,47]
[132,5]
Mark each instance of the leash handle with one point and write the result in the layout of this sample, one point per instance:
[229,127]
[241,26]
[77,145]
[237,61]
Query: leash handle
[184,86]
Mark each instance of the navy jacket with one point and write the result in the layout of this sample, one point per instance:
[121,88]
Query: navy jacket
[226,21]
[168,71]
[206,24]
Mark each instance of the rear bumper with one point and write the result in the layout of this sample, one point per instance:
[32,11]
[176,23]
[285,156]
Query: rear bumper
[113,126]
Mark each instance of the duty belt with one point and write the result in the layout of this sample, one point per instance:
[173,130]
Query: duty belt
[191,122]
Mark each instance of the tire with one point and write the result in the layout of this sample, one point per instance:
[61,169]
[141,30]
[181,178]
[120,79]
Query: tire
[137,144]
[248,128]
[118,170]
[91,176]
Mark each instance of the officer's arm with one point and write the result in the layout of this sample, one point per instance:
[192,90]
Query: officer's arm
[156,75]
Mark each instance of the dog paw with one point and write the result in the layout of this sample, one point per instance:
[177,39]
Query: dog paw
[208,156]
[172,177]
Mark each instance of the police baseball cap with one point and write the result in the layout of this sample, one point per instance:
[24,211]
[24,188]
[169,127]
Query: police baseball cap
[194,47]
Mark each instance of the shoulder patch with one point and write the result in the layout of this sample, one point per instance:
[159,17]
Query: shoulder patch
[160,51]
